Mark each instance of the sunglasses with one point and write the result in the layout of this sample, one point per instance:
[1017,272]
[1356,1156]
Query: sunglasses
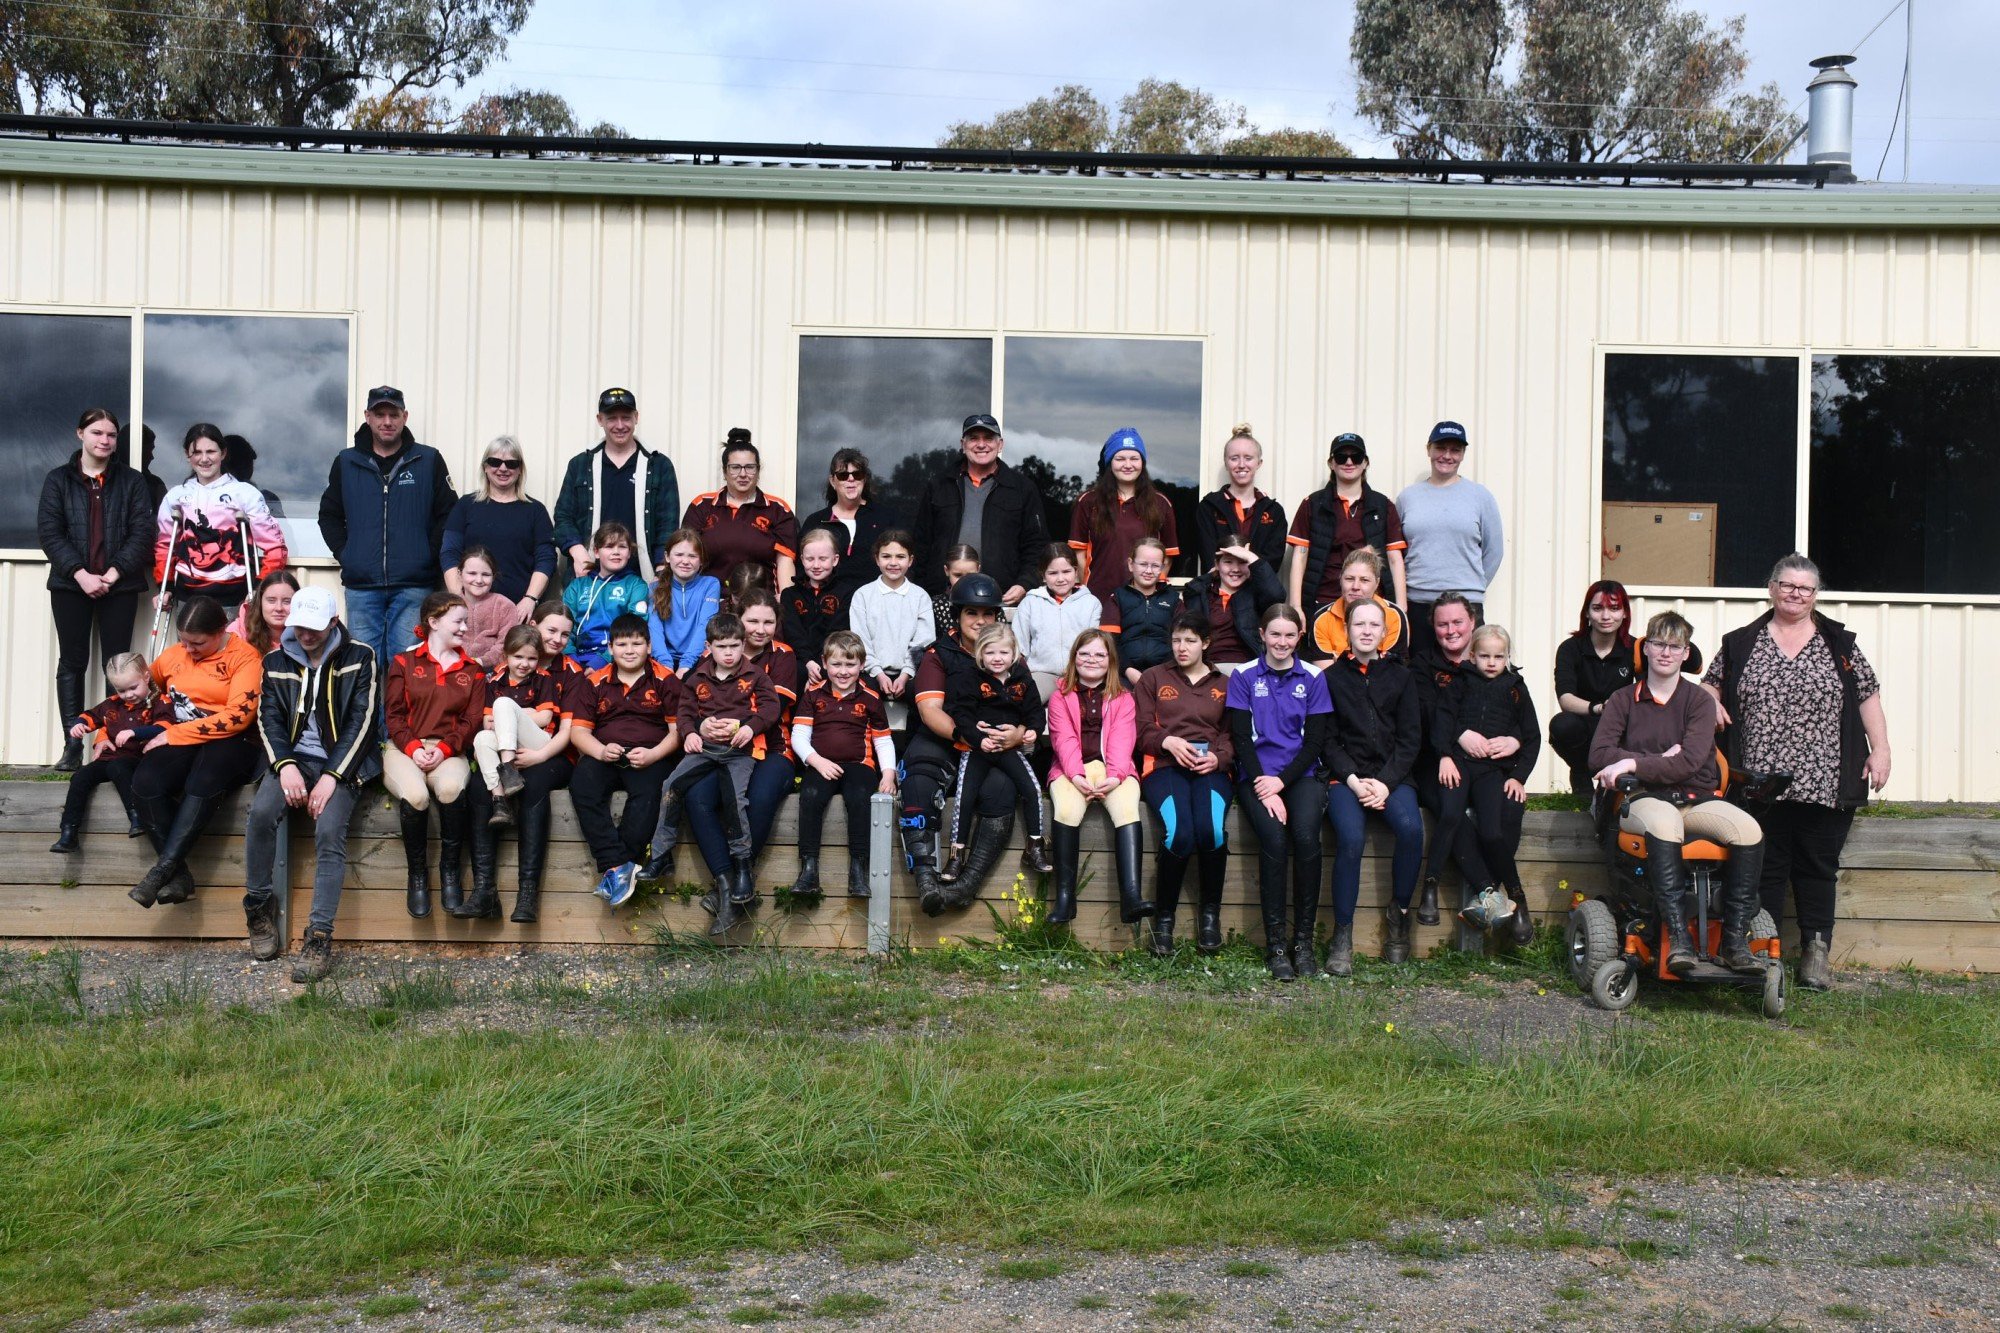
[851,474]
[502,464]
[1345,458]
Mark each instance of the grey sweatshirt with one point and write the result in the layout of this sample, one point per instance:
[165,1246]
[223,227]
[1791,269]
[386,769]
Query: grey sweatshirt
[1455,540]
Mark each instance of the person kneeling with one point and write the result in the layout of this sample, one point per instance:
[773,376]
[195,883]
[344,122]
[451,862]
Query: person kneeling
[317,720]
[841,735]
[1662,732]
[727,709]
[623,727]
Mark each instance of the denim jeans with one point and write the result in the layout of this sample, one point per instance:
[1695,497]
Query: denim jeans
[770,782]
[267,823]
[1350,832]
[386,620]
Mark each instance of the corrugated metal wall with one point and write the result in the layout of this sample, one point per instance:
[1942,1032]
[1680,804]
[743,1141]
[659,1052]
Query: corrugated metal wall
[506,315]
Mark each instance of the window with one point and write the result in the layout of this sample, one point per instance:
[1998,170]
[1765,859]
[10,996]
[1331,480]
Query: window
[58,367]
[1700,468]
[278,382]
[1906,473]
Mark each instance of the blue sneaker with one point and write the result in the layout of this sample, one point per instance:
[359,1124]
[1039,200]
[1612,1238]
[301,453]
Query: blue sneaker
[622,882]
[603,886]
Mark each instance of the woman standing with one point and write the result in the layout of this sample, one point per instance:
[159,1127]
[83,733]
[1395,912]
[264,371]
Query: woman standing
[1344,516]
[739,523]
[1114,514]
[213,679]
[1092,729]
[1230,600]
[1798,697]
[1279,713]
[95,524]
[508,522]
[1188,753]
[216,536]
[1239,514]
[854,519]
[1592,664]
[260,621]
[1377,731]
[1453,527]
[436,698]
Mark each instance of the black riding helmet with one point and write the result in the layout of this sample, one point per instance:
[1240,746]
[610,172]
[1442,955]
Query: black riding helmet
[976,590]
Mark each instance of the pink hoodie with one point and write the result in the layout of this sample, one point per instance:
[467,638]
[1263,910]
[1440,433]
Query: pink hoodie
[1121,731]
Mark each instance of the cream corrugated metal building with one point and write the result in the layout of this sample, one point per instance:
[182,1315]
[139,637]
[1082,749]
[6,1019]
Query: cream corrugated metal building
[502,295]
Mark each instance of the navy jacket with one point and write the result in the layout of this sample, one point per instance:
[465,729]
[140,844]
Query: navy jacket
[386,531]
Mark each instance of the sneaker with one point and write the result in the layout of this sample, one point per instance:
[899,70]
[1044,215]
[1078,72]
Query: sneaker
[603,886]
[315,958]
[621,882]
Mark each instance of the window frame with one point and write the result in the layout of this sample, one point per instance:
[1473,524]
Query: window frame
[135,405]
[1802,354]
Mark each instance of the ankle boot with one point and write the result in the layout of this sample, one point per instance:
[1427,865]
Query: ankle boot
[1279,961]
[743,880]
[174,884]
[1125,842]
[807,880]
[1035,855]
[452,821]
[1340,954]
[503,813]
[65,838]
[1664,868]
[954,866]
[1305,957]
[1739,905]
[857,875]
[261,925]
[727,913]
[1523,924]
[1427,905]
[1068,840]
[533,843]
[1208,919]
[416,825]
[485,901]
[1816,963]
[990,836]
[1396,935]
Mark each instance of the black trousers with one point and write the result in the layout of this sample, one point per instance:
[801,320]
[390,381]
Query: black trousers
[856,784]
[76,615]
[930,768]
[1570,735]
[1297,840]
[590,788]
[1802,845]
[83,784]
[205,770]
[1487,827]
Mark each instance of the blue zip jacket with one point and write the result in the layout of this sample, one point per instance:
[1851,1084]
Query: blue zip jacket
[680,639]
[386,531]
[594,601]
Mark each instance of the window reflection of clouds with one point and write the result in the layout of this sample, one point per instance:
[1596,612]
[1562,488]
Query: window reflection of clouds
[1066,395]
[57,367]
[278,381]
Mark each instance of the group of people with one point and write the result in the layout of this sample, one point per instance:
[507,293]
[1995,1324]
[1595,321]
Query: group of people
[709,661]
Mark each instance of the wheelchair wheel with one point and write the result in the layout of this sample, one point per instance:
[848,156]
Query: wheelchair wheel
[1615,986]
[1774,990]
[1590,939]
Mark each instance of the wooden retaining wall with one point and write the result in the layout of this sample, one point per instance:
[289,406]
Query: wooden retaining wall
[1912,891]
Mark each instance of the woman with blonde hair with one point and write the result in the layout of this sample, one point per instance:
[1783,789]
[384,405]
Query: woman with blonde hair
[1239,514]
[1093,726]
[1360,581]
[507,521]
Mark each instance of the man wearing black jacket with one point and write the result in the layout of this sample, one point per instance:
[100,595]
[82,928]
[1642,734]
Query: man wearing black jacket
[317,719]
[988,506]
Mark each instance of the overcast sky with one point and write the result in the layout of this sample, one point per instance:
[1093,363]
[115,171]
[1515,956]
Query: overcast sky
[896,72]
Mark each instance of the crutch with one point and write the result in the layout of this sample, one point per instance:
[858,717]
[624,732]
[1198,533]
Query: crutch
[250,554]
[166,597]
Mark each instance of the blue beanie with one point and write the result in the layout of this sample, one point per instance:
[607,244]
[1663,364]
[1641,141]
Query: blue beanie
[1121,439]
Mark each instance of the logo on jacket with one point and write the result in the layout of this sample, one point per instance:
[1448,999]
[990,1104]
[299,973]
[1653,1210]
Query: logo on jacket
[702,691]
[1299,690]
[1217,693]
[986,691]
[761,523]
[1168,692]
[829,604]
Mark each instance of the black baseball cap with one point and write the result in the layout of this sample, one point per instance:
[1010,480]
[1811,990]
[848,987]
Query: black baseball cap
[381,394]
[1448,432]
[1348,442]
[617,400]
[979,421]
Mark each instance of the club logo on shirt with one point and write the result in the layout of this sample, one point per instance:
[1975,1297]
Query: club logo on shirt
[859,709]
[419,672]
[829,604]
[1263,689]
[1168,692]
[761,523]
[986,691]
[461,679]
[1217,693]
[703,692]
[1299,690]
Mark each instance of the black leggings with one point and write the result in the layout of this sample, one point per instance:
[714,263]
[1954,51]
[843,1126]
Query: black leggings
[1297,840]
[76,614]
[1487,841]
[206,770]
[856,784]
[973,768]
[1570,735]
[83,784]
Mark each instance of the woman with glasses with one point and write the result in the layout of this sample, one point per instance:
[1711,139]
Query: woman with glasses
[854,519]
[1339,519]
[1798,697]
[740,524]
[507,521]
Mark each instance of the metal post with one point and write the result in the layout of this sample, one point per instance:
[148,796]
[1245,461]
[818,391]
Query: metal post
[881,854]
[281,875]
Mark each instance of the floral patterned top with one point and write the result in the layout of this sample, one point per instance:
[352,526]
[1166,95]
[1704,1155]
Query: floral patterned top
[1790,714]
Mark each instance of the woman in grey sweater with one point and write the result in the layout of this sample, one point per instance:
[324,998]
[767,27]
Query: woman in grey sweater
[1453,529]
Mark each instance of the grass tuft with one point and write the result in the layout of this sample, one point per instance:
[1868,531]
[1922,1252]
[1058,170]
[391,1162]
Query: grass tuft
[875,1247]
[1175,1305]
[1248,1268]
[1027,1270]
[419,990]
[755,1314]
[264,1314]
[848,1305]
[390,1304]
[178,1315]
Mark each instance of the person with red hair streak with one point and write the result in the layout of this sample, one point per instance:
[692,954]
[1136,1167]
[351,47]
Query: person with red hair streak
[1592,664]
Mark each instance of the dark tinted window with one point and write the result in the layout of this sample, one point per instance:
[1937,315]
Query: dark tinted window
[58,366]
[1906,473]
[280,382]
[1716,431]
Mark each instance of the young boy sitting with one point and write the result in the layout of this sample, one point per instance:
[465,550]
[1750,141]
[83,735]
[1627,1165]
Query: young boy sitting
[721,689]
[608,592]
[133,715]
[622,726]
[841,736]
[893,617]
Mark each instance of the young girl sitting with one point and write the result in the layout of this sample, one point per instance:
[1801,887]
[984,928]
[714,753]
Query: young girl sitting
[523,756]
[813,607]
[996,690]
[683,603]
[488,615]
[1051,616]
[609,591]
[1485,729]
[133,715]
[1092,728]
[841,735]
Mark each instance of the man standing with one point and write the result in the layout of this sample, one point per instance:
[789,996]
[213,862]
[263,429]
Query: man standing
[317,720]
[382,516]
[988,506]
[607,483]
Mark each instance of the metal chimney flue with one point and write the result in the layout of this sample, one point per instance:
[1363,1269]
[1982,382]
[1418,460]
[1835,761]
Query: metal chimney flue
[1830,117]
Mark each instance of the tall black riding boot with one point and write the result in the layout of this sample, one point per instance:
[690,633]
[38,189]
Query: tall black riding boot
[1067,841]
[533,835]
[1171,874]
[169,879]
[485,900]
[69,703]
[920,849]
[452,821]
[416,825]
[1125,842]
[1664,868]
[1739,906]
[1208,922]
[990,836]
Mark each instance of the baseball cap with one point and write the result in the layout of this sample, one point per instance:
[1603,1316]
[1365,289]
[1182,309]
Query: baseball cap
[617,400]
[1448,432]
[979,421]
[381,394]
[1347,442]
[312,608]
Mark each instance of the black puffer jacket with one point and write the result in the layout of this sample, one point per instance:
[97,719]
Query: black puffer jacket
[62,524]
[339,693]
[1377,727]
[1495,707]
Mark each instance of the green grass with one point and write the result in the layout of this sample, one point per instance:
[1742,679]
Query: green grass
[1248,1268]
[755,1314]
[177,1315]
[772,1104]
[1027,1270]
[1175,1305]
[1844,1310]
[848,1305]
[264,1314]
[1092,1303]
[391,1304]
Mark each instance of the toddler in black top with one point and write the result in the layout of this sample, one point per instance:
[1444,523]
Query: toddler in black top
[841,736]
[993,688]
[133,715]
[1486,730]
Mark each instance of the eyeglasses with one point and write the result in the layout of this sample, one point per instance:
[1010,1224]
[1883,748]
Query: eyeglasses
[852,474]
[1798,590]
[502,464]
[1661,646]
[743,467]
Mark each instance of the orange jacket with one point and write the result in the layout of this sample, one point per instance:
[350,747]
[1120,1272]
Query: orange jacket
[213,698]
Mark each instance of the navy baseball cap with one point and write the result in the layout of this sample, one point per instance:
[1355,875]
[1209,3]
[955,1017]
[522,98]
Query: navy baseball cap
[979,421]
[617,400]
[1448,432]
[381,394]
